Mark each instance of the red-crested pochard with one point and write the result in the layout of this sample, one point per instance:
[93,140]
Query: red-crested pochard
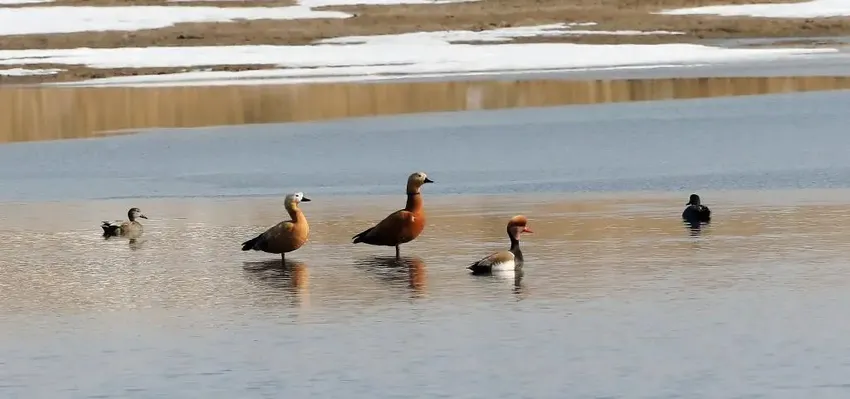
[505,260]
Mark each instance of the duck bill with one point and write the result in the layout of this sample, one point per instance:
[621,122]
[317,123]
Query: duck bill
[305,199]
[427,180]
[526,230]
[143,216]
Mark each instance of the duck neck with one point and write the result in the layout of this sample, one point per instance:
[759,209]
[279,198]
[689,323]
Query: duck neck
[515,247]
[131,217]
[296,214]
[414,200]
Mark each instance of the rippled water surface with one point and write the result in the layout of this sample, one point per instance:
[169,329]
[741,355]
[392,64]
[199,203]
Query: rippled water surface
[618,299]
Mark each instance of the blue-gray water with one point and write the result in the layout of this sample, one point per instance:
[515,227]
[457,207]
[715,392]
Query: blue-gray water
[618,300]
[779,141]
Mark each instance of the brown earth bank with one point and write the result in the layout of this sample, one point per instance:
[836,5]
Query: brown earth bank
[476,16]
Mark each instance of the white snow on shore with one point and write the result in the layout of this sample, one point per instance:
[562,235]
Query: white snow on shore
[28,72]
[379,61]
[492,35]
[808,9]
[33,20]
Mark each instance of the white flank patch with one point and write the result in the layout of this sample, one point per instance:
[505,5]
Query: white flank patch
[28,72]
[504,266]
[493,35]
[32,20]
[809,9]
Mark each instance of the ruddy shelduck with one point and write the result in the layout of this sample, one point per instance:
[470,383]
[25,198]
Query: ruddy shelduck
[401,226]
[129,228]
[509,260]
[285,236]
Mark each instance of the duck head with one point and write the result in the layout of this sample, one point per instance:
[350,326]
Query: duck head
[292,200]
[134,213]
[417,180]
[693,200]
[518,225]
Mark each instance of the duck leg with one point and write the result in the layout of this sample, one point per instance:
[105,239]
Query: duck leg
[397,252]
[283,257]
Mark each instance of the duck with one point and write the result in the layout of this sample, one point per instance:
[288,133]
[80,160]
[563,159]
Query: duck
[696,213]
[286,236]
[509,260]
[130,227]
[403,225]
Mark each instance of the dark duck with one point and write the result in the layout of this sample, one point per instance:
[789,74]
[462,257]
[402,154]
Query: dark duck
[695,212]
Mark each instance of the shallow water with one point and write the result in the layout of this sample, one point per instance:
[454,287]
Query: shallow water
[618,299]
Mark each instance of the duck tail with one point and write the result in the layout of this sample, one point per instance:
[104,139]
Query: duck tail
[109,229]
[249,245]
[361,236]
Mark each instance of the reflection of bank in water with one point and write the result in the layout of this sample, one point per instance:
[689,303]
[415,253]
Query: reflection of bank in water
[50,113]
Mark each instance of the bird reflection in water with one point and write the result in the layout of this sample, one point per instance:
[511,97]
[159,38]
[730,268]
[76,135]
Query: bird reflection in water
[135,244]
[695,228]
[513,277]
[410,271]
[290,276]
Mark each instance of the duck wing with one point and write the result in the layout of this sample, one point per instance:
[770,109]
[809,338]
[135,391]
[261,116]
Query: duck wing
[501,260]
[265,240]
[387,231]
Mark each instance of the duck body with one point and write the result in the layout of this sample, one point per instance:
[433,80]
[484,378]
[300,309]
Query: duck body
[499,261]
[130,227]
[695,212]
[286,236]
[400,227]
[403,225]
[509,260]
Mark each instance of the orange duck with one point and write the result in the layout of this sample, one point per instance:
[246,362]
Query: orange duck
[285,236]
[509,260]
[403,225]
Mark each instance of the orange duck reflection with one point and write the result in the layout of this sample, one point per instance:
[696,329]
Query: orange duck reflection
[290,276]
[410,271]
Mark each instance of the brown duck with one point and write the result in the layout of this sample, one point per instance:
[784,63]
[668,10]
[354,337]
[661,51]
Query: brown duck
[285,236]
[129,228]
[401,226]
[509,260]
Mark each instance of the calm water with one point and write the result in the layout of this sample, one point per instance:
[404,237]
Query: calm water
[618,299]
